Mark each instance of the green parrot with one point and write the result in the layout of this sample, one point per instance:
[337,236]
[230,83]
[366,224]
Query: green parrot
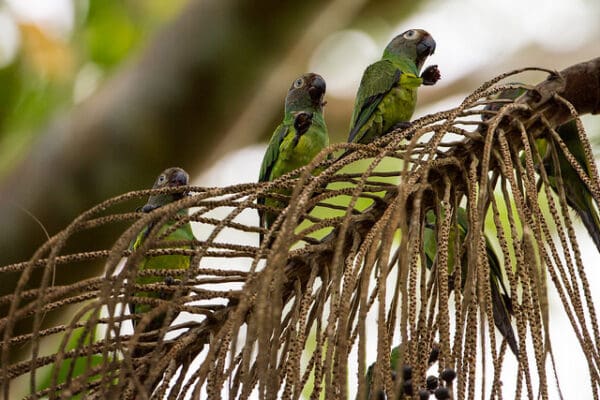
[387,94]
[297,140]
[379,394]
[406,372]
[501,301]
[577,194]
[171,177]
[510,93]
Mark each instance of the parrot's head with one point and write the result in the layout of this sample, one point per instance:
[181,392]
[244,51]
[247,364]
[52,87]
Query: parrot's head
[169,178]
[502,97]
[414,44]
[306,93]
[506,94]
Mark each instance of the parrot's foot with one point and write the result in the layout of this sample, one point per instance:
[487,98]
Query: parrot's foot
[402,126]
[169,280]
[147,208]
[431,75]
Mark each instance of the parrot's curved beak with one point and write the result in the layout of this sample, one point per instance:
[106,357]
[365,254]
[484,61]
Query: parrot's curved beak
[426,46]
[179,178]
[317,90]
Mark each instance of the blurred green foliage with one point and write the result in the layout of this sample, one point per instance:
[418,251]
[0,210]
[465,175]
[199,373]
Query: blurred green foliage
[110,22]
[70,367]
[41,80]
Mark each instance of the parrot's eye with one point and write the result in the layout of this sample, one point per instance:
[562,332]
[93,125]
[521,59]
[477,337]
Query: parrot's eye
[161,179]
[298,83]
[410,34]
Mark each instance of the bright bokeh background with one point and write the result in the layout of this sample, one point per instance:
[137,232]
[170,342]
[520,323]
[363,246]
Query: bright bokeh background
[56,54]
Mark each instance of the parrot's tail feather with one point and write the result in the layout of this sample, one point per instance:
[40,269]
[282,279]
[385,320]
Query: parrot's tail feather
[500,310]
[592,225]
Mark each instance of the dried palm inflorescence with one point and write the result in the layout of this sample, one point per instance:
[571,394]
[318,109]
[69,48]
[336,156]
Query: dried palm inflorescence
[287,317]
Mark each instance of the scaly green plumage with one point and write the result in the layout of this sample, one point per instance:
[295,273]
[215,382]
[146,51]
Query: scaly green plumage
[501,302]
[297,140]
[387,93]
[171,177]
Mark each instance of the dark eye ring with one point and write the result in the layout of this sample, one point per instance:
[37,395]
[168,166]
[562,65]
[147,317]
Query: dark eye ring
[298,83]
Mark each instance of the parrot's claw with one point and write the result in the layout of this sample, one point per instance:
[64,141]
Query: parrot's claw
[169,280]
[402,126]
[431,75]
[147,208]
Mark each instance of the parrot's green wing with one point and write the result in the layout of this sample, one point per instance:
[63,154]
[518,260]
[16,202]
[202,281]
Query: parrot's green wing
[172,261]
[272,153]
[377,81]
[430,241]
[139,239]
[269,160]
[501,302]
[577,194]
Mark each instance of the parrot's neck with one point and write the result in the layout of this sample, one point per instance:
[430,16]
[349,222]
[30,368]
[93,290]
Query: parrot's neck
[291,114]
[405,64]
[318,118]
[161,200]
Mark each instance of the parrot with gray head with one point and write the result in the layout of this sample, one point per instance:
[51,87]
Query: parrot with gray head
[387,94]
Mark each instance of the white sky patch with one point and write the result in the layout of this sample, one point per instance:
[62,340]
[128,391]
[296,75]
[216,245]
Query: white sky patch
[236,167]
[554,24]
[471,33]
[56,17]
[9,38]
[341,60]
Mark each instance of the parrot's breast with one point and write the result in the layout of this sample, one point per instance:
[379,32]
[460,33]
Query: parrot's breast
[397,106]
[174,261]
[295,155]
